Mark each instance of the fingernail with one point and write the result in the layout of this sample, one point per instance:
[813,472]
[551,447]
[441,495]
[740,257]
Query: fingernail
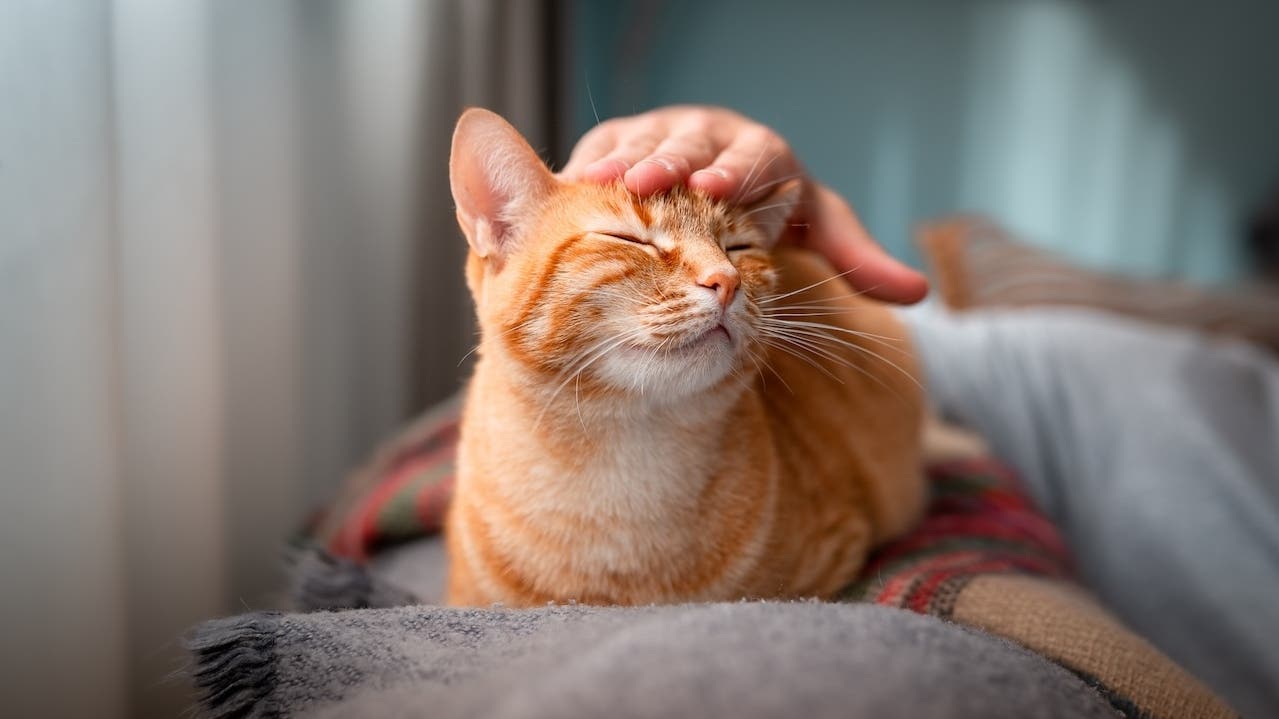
[662,162]
[716,171]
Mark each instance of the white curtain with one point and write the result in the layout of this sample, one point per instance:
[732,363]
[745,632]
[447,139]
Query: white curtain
[228,264]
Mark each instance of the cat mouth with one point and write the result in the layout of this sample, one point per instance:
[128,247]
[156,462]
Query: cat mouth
[704,339]
[713,334]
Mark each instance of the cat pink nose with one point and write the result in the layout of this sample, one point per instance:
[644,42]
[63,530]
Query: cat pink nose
[724,282]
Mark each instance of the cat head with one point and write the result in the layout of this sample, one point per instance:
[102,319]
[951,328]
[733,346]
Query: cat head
[655,298]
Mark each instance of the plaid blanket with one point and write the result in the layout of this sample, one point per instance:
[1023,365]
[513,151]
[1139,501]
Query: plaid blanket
[983,556]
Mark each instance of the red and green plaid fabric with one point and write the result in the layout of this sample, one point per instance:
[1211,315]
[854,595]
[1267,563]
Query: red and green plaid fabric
[979,522]
[408,499]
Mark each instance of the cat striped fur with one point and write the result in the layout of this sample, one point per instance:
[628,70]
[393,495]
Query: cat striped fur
[667,406]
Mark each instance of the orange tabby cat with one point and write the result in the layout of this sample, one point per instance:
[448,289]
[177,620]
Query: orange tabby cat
[666,407]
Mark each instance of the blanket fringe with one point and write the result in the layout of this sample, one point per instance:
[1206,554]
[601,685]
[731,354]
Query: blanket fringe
[319,581]
[234,666]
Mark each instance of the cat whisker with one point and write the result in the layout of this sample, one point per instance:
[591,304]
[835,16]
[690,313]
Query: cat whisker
[591,96]
[652,355]
[749,181]
[658,287]
[813,313]
[754,210]
[503,333]
[781,348]
[810,345]
[751,189]
[821,328]
[814,331]
[740,378]
[835,345]
[823,303]
[774,298]
[737,196]
[778,181]
[750,354]
[758,361]
[882,339]
[584,360]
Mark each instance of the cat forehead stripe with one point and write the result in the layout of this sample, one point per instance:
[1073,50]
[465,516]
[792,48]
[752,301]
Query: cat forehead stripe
[641,211]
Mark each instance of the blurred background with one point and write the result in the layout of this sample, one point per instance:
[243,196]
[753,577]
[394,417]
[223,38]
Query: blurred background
[229,264]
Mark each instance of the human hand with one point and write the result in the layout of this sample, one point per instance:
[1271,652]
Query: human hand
[731,157]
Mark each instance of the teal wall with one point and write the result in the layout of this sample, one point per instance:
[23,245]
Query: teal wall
[1128,135]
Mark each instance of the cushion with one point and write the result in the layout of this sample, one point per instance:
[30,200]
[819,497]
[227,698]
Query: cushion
[976,264]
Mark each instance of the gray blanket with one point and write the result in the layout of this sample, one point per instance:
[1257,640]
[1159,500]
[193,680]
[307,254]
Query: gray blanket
[710,660]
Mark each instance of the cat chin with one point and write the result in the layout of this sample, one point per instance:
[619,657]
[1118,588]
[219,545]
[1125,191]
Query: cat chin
[670,376]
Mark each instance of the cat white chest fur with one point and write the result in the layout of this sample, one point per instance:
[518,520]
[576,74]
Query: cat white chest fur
[631,501]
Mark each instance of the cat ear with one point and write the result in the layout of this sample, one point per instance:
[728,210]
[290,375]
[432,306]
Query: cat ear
[497,180]
[770,214]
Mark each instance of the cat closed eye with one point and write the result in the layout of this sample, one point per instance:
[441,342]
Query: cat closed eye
[624,237]
[738,248]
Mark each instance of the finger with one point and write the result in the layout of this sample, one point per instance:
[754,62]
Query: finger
[671,163]
[748,168]
[594,145]
[835,232]
[605,170]
[633,145]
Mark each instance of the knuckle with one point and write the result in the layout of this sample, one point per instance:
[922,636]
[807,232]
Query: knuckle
[675,160]
[696,145]
[639,142]
[699,119]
